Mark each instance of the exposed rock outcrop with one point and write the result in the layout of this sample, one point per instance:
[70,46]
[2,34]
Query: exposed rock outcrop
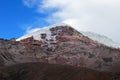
[63,45]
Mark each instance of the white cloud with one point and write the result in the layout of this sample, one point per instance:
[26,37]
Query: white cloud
[31,3]
[99,16]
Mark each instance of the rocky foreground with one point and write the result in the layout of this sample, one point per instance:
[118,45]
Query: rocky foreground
[45,71]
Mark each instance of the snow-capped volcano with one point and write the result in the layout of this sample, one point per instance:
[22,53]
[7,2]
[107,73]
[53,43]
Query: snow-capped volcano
[96,37]
[61,44]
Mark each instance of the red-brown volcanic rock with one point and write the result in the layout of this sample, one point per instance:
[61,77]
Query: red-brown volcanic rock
[66,46]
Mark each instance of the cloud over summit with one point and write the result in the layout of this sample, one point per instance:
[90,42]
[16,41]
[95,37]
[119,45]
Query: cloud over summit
[100,16]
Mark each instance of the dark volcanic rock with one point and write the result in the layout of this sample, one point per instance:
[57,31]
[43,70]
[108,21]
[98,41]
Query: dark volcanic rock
[43,71]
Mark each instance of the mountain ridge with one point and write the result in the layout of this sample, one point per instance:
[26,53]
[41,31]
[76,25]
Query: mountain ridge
[94,36]
[65,46]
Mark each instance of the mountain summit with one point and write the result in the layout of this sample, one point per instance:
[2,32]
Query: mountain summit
[61,44]
[94,36]
[58,44]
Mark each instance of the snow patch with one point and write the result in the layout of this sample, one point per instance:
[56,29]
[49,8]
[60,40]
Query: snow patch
[37,31]
[36,34]
[101,39]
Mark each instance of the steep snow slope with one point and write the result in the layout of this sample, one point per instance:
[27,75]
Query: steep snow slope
[96,37]
[36,32]
[101,39]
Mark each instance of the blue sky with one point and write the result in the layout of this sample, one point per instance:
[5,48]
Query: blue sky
[15,18]
[20,16]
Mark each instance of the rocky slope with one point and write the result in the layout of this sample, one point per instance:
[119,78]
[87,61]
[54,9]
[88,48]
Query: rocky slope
[62,45]
[10,53]
[57,49]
